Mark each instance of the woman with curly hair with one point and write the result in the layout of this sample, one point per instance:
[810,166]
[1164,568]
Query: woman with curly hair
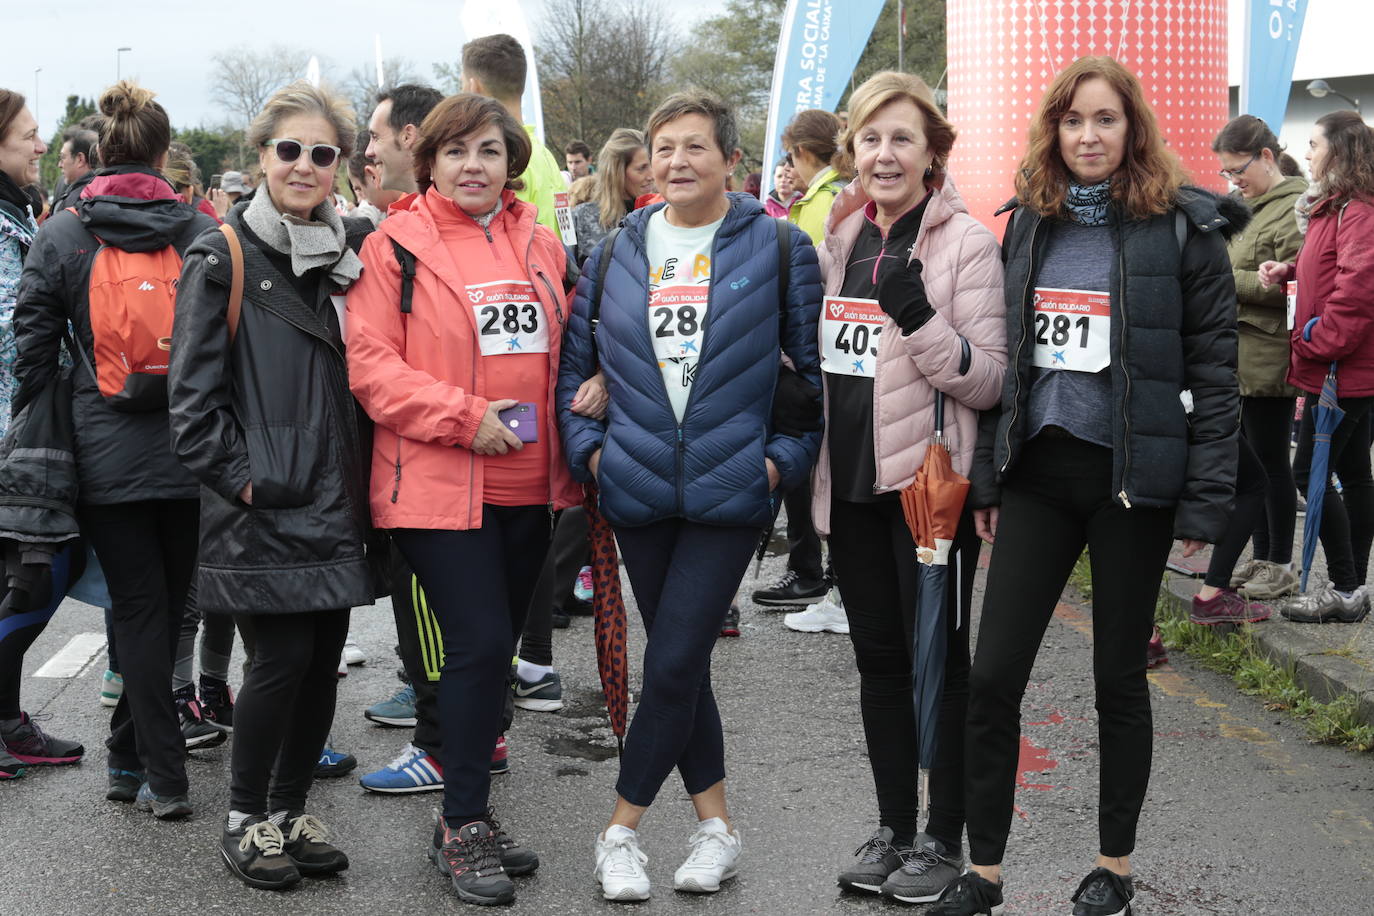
[1119,297]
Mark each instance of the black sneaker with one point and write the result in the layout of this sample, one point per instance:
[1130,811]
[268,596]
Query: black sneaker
[561,620]
[123,785]
[730,625]
[217,703]
[471,858]
[1104,893]
[256,854]
[307,846]
[791,589]
[972,895]
[878,859]
[197,732]
[928,869]
[515,859]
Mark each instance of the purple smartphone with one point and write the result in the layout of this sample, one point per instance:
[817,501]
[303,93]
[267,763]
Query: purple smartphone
[523,420]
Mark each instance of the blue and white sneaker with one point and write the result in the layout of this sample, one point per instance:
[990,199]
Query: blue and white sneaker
[413,771]
[543,695]
[397,712]
[334,763]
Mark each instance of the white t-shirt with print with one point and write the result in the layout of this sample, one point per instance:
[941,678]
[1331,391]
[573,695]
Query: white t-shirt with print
[679,281]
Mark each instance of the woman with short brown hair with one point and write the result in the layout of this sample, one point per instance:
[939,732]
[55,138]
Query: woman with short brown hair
[1119,297]
[454,336]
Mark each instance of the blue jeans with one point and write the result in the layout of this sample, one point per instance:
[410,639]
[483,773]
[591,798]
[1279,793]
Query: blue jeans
[684,575]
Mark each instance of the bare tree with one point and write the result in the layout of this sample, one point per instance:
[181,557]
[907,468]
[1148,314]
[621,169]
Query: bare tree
[602,65]
[360,85]
[243,79]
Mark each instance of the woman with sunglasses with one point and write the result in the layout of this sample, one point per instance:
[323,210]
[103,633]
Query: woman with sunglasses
[262,415]
[454,340]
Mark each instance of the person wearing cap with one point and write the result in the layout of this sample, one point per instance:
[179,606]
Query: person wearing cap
[232,186]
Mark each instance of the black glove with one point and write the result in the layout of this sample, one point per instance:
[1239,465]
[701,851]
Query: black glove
[796,405]
[903,296]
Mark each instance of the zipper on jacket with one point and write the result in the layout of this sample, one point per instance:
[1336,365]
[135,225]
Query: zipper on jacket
[1125,371]
[680,463]
[1016,359]
[396,483]
[705,330]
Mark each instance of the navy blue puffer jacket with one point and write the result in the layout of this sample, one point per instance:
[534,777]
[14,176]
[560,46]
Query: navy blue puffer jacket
[711,468]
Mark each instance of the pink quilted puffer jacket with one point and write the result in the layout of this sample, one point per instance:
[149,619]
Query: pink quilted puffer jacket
[962,270]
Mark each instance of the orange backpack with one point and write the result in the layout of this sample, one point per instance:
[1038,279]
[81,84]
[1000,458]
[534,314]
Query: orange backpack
[132,304]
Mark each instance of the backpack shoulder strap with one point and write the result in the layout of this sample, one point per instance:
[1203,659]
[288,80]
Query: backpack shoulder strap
[407,262]
[784,230]
[235,310]
[594,313]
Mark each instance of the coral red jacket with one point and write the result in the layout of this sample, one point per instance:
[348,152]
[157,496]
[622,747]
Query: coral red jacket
[422,378]
[1335,274]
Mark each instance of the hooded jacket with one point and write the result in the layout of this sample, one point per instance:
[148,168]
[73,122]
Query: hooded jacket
[1335,274]
[272,407]
[1172,328]
[809,211]
[709,468]
[421,376]
[1262,314]
[120,457]
[962,273]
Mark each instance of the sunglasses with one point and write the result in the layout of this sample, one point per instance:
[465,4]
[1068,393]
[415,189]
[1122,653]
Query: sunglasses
[322,155]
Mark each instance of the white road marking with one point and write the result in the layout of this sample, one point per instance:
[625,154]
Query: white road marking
[74,656]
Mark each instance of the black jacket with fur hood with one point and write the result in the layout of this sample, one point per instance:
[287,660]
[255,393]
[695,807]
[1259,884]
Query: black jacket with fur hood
[1173,329]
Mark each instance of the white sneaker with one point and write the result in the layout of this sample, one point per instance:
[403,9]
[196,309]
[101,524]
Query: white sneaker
[825,616]
[353,653]
[715,850]
[620,865]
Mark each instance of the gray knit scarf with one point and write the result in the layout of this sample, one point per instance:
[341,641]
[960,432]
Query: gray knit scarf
[319,242]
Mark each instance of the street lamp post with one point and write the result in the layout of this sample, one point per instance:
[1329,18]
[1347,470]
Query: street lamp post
[1320,88]
[119,54]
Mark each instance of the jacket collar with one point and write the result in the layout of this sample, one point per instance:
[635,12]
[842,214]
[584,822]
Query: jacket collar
[135,182]
[281,299]
[411,223]
[822,178]
[1289,188]
[743,209]
[847,214]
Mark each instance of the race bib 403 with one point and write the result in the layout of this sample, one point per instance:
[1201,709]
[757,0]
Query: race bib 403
[849,336]
[1072,329]
[509,318]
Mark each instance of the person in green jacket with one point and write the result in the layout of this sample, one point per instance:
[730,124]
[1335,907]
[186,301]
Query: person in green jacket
[495,66]
[1249,155]
[811,142]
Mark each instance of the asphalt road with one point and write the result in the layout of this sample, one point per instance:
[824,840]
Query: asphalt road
[1243,815]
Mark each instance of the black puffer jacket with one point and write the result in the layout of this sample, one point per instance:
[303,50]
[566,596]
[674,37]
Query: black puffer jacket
[273,408]
[1173,328]
[120,457]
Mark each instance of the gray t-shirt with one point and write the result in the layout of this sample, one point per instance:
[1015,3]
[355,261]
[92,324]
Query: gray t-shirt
[1076,257]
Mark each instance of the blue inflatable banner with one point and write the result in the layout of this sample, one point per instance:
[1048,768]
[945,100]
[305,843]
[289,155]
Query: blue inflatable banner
[1272,31]
[818,49]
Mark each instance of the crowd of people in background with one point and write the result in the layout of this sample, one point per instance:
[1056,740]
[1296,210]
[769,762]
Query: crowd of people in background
[393,357]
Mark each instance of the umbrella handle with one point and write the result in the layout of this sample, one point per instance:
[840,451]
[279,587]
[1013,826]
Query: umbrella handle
[965,358]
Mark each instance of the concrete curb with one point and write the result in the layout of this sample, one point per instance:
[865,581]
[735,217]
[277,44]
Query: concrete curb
[1324,675]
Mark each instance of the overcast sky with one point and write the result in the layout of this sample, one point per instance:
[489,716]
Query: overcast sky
[74,42]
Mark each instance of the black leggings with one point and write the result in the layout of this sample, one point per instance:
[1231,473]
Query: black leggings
[569,553]
[1251,484]
[422,651]
[148,552]
[480,582]
[285,708]
[1267,424]
[874,557]
[683,575]
[20,627]
[1056,500]
[1347,522]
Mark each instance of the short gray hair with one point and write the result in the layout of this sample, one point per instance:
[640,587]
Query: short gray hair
[302,98]
[697,102]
